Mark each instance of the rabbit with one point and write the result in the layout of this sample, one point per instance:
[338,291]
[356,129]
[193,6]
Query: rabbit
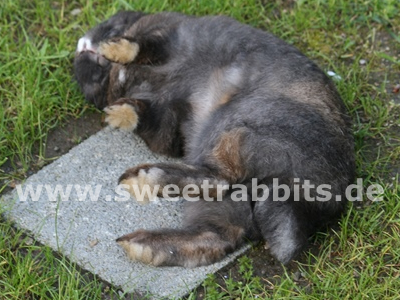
[242,108]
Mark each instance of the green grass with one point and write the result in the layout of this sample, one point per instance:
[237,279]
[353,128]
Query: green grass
[37,93]
[29,271]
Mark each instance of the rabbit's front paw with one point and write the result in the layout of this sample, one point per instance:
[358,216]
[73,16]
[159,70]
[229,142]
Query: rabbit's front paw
[119,50]
[121,115]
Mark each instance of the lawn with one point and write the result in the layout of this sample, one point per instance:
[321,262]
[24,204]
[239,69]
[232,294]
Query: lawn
[357,40]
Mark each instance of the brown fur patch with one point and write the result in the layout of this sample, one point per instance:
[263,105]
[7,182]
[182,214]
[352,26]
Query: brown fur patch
[204,249]
[179,248]
[234,234]
[121,116]
[225,98]
[314,93]
[227,155]
[120,50]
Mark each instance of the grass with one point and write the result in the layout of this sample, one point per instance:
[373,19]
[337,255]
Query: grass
[30,271]
[358,40]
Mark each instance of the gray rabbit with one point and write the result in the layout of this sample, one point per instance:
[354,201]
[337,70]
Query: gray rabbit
[241,107]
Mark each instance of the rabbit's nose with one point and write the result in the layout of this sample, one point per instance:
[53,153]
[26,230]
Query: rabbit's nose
[85,44]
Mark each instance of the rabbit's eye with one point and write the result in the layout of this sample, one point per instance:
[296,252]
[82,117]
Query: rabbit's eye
[97,74]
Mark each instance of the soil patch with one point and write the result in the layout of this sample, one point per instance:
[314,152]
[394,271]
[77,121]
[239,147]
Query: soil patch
[60,140]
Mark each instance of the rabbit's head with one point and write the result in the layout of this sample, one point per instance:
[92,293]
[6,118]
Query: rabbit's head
[91,69]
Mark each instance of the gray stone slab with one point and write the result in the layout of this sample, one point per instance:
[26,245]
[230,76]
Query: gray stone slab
[85,230]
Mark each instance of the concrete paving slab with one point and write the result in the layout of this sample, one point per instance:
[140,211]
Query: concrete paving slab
[85,229]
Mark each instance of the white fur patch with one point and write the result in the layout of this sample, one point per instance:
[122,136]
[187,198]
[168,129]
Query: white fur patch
[285,241]
[122,76]
[144,187]
[84,44]
[221,85]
